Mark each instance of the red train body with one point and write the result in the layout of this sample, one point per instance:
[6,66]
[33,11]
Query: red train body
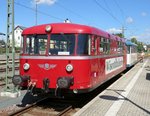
[73,57]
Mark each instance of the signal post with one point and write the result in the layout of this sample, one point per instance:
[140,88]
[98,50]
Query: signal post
[10,51]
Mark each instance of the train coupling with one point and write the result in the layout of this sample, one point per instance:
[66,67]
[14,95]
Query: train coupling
[46,83]
[31,86]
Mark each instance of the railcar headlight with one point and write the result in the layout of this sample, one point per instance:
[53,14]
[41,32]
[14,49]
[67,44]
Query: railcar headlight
[26,66]
[69,67]
[48,28]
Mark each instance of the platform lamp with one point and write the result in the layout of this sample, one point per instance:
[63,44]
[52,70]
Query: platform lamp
[36,2]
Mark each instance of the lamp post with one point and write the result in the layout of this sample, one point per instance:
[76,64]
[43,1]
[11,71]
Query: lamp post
[36,1]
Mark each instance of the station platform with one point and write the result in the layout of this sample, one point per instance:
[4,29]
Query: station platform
[128,96]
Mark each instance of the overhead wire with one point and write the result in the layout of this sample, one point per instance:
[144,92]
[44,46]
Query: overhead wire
[76,14]
[109,9]
[120,9]
[58,4]
[118,6]
[124,17]
[106,10]
[71,11]
[54,17]
[107,5]
[43,13]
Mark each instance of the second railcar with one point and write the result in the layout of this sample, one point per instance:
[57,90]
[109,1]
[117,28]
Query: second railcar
[132,55]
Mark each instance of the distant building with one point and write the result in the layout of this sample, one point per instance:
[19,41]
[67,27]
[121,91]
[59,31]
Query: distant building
[2,33]
[145,47]
[2,42]
[148,48]
[17,36]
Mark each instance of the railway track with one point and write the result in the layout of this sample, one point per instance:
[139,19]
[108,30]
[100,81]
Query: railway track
[46,107]
[3,65]
[3,70]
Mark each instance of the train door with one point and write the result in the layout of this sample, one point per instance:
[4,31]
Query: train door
[101,59]
[128,55]
[94,60]
[125,54]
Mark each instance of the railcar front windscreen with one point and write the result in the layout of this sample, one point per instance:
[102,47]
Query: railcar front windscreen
[83,44]
[62,44]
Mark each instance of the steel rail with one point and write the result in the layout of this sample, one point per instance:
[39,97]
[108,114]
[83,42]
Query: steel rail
[27,108]
[64,111]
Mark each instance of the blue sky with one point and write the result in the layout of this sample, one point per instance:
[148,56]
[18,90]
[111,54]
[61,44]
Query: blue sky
[109,15]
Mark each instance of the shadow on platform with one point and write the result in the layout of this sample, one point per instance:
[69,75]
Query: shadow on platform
[109,97]
[148,76]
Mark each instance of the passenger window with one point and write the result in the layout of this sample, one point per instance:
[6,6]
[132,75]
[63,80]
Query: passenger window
[101,45]
[104,46]
[42,46]
[83,44]
[128,49]
[120,47]
[95,45]
[36,44]
[29,45]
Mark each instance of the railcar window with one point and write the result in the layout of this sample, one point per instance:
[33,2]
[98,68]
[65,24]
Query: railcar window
[83,44]
[120,47]
[95,45]
[62,44]
[29,45]
[36,44]
[128,49]
[133,49]
[105,45]
[42,43]
[101,49]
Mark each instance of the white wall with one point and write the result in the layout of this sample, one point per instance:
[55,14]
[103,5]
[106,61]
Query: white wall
[17,37]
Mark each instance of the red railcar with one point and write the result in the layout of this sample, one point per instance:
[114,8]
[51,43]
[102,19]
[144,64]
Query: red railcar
[71,57]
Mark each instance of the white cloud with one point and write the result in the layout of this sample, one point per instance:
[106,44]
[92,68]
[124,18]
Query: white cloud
[129,20]
[144,14]
[143,37]
[49,2]
[114,30]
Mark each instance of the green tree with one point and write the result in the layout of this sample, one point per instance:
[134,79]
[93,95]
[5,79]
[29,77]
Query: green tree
[140,47]
[120,35]
[134,40]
